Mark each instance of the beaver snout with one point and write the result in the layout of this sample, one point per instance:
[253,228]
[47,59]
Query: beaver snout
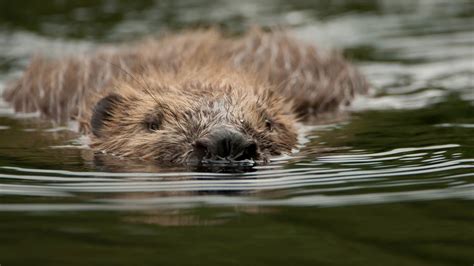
[226,144]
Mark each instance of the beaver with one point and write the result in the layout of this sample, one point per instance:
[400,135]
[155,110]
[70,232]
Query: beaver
[194,97]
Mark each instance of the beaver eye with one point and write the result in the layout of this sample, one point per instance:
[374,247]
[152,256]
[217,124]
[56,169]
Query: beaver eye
[269,124]
[153,126]
[152,123]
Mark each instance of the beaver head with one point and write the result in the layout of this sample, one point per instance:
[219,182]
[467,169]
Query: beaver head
[191,120]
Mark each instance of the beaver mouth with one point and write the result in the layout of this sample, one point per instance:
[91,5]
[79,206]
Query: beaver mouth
[222,165]
[228,163]
[224,162]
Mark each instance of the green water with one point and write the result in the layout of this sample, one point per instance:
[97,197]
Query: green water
[391,184]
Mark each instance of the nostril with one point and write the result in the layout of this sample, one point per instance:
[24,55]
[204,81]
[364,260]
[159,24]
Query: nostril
[250,151]
[201,148]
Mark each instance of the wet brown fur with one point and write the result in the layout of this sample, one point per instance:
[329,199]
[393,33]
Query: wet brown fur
[191,83]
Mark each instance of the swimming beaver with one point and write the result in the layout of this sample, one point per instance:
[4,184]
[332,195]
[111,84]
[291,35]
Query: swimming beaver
[194,97]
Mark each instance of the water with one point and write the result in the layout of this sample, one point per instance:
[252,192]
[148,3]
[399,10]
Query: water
[391,184]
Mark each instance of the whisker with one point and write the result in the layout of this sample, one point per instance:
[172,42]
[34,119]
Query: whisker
[145,86]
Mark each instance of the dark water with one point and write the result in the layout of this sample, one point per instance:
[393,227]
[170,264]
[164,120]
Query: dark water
[392,184]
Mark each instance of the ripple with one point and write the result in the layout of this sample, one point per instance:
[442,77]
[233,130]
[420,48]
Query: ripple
[461,192]
[333,174]
[455,125]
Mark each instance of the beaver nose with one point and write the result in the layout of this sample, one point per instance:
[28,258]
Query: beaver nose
[226,144]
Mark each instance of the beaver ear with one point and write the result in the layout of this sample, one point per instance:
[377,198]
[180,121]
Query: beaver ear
[103,112]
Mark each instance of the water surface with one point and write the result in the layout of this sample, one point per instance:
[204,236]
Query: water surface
[392,183]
